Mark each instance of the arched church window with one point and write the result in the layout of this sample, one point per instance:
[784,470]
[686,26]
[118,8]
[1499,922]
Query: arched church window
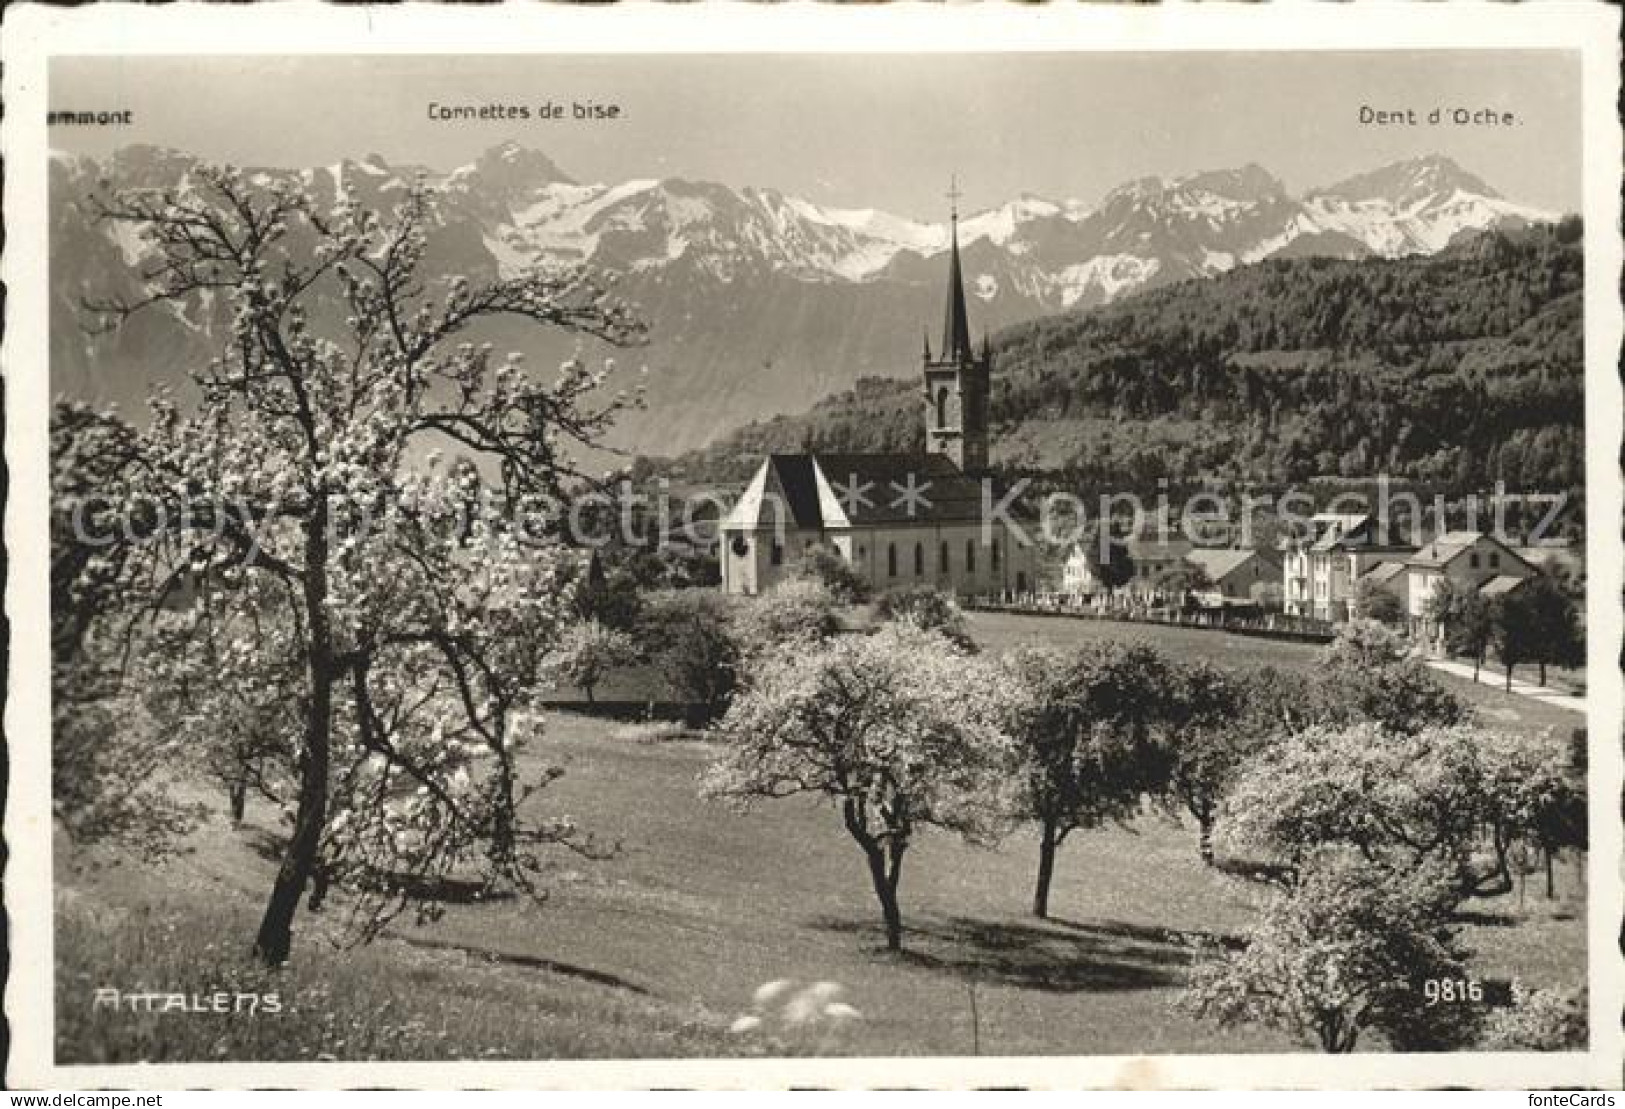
[970,556]
[943,557]
[919,560]
[891,560]
[942,406]
[995,554]
[778,553]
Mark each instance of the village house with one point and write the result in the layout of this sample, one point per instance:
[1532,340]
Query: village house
[1319,570]
[1080,573]
[898,519]
[1237,573]
[1466,558]
[1151,557]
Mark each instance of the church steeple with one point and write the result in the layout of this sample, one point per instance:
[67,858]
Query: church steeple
[955,323]
[957,379]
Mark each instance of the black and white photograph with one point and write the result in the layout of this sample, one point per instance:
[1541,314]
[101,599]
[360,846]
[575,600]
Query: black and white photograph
[783,556]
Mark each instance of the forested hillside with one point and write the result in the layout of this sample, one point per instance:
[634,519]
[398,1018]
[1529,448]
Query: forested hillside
[1453,371]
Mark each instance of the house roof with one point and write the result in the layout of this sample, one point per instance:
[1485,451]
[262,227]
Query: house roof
[1342,531]
[944,493]
[1500,586]
[1219,562]
[1346,531]
[1146,549]
[1446,547]
[845,490]
[1384,572]
[793,478]
[1321,524]
[1347,520]
[1452,544]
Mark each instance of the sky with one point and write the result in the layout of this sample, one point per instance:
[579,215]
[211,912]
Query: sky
[883,131]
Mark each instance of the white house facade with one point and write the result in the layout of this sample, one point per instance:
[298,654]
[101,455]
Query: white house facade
[1319,570]
[1469,559]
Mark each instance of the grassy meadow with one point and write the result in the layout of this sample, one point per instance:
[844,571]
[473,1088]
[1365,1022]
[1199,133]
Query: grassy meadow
[658,950]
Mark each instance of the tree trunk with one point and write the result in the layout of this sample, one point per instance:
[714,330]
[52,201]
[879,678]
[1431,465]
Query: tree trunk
[502,849]
[1551,887]
[239,800]
[886,890]
[1047,843]
[1205,821]
[587,689]
[1542,665]
[1338,1033]
[1478,661]
[1509,676]
[885,858]
[275,940]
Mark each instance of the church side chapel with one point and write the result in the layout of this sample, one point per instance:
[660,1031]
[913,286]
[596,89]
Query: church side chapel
[900,519]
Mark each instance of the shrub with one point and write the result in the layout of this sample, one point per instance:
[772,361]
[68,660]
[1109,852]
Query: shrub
[588,652]
[1349,948]
[824,564]
[795,614]
[929,609]
[1403,697]
[1373,602]
[1179,580]
[616,601]
[1538,1020]
[652,731]
[1366,643]
[1458,798]
[688,635]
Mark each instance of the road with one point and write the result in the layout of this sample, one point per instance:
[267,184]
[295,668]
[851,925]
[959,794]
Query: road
[1550,696]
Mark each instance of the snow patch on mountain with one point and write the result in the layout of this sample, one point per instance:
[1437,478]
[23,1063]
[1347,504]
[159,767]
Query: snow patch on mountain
[131,245]
[1002,224]
[1421,226]
[1104,278]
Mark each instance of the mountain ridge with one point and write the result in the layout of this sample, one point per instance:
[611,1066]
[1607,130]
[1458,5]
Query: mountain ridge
[761,301]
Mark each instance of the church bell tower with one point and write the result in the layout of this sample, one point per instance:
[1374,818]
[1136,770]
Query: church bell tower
[956,381]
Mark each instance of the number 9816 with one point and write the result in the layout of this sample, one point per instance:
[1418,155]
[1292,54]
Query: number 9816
[1451,990]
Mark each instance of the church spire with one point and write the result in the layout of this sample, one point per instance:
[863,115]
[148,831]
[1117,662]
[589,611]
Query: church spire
[956,380]
[956,323]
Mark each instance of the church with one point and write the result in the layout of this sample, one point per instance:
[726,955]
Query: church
[901,519]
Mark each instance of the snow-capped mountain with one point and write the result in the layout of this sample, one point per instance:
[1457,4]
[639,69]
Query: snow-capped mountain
[759,301]
[1413,207]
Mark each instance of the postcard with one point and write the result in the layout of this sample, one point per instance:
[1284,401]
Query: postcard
[765,546]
